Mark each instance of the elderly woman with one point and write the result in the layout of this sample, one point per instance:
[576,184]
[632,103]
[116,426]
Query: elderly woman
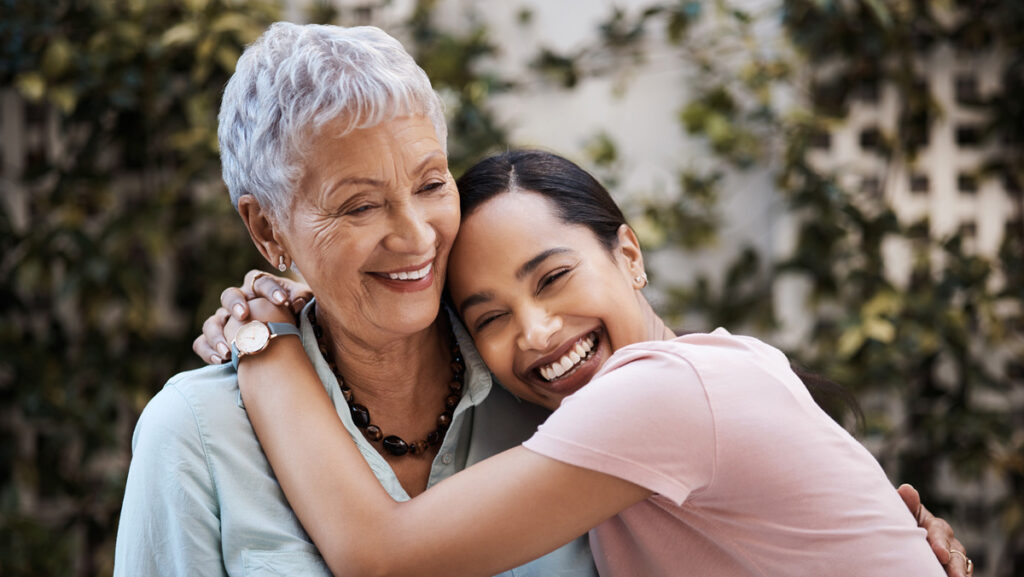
[333,147]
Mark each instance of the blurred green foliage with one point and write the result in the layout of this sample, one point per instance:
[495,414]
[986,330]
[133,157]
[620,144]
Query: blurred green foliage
[117,236]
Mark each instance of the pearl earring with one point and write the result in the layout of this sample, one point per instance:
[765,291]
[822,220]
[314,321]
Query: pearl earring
[641,280]
[281,266]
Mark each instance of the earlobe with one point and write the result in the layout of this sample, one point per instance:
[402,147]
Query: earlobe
[262,229]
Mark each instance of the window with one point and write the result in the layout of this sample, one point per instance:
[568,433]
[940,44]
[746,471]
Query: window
[920,183]
[967,183]
[871,185]
[968,135]
[820,139]
[965,87]
[871,139]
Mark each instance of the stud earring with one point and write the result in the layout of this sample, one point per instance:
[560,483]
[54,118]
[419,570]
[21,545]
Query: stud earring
[281,266]
[640,280]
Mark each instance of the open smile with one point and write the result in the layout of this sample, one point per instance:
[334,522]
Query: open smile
[571,360]
[411,275]
[414,278]
[570,367]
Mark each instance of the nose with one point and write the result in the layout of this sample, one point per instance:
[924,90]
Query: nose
[412,232]
[536,327]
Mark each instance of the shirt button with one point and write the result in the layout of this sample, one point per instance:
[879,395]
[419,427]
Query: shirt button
[446,458]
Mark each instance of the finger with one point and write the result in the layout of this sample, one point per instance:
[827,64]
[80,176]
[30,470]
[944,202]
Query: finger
[231,328]
[940,536]
[911,498]
[234,300]
[269,287]
[213,331]
[202,348]
[298,303]
[957,566]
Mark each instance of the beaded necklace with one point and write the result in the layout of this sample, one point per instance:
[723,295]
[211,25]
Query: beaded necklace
[394,444]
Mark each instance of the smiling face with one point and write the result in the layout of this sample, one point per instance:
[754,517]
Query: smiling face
[545,301]
[372,226]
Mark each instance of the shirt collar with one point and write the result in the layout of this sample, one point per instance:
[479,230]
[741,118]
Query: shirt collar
[476,387]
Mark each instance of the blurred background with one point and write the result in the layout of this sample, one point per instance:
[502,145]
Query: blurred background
[841,178]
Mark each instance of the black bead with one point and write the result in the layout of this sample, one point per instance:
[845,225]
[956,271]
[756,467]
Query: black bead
[373,433]
[360,415]
[434,437]
[395,445]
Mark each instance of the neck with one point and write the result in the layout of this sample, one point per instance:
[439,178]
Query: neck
[396,375]
[656,329]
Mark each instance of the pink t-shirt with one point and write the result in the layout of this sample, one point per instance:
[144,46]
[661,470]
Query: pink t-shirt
[750,476]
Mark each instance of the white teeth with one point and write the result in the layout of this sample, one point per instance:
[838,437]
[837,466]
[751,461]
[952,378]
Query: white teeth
[414,275]
[569,360]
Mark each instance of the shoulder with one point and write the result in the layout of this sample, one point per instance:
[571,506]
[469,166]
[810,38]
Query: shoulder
[704,356]
[721,345]
[649,373]
[187,402]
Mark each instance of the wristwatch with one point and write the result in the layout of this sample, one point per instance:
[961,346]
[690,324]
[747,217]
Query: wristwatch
[254,337]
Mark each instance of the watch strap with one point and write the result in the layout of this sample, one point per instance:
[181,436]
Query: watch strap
[276,330]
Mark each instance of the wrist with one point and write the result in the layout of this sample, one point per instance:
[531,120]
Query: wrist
[255,337]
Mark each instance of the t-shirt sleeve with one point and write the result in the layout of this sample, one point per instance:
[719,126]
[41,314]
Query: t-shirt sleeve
[645,418]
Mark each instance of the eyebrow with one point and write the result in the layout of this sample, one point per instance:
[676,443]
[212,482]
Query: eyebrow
[528,267]
[531,265]
[473,300]
[380,183]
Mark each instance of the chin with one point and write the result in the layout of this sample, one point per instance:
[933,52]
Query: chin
[413,318]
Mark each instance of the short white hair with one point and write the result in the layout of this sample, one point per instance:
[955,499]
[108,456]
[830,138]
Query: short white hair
[295,79]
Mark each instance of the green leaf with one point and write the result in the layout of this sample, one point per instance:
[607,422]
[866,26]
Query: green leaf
[31,85]
[180,34]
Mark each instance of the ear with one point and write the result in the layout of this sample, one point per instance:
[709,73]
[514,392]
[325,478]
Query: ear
[263,229]
[629,251]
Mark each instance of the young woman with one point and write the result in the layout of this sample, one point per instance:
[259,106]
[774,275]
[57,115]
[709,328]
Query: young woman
[697,455]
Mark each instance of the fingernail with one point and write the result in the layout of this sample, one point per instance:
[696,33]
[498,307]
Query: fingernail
[216,360]
[223,349]
[279,297]
[239,310]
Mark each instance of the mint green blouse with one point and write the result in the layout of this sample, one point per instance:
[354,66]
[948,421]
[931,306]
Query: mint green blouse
[201,498]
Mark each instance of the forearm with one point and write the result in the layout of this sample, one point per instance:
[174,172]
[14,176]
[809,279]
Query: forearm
[323,475]
[493,516]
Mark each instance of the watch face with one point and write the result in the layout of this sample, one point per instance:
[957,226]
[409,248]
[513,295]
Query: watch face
[252,337]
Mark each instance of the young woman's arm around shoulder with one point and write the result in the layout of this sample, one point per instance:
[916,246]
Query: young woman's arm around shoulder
[498,514]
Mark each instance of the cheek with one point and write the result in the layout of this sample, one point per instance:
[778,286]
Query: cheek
[498,356]
[494,353]
[446,221]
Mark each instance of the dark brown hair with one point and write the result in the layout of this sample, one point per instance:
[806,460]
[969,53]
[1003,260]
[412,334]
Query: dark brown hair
[580,199]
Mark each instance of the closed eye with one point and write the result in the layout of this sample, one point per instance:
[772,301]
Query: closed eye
[487,319]
[431,187]
[548,279]
[362,209]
